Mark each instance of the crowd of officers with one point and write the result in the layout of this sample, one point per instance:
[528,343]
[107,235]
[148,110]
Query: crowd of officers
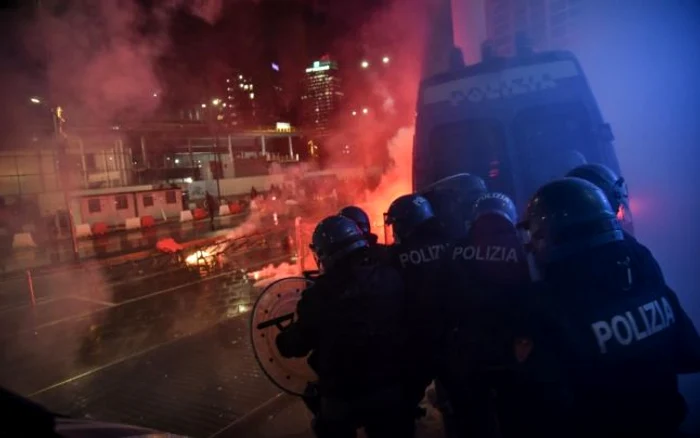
[556,324]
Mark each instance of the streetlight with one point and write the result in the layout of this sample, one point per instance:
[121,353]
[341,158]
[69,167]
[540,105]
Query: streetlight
[57,115]
[354,113]
[364,64]
[365,110]
[385,60]
[216,102]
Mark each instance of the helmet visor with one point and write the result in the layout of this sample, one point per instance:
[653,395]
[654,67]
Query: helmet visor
[389,236]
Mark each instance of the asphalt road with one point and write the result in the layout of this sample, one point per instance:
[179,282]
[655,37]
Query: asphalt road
[152,342]
[60,251]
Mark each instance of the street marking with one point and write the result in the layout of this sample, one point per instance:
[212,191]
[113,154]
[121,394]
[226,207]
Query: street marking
[121,303]
[129,357]
[39,302]
[261,407]
[136,299]
[91,300]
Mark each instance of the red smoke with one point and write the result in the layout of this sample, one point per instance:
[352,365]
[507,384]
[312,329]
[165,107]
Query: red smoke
[102,56]
[398,32]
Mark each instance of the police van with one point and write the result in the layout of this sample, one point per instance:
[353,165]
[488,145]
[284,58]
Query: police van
[517,122]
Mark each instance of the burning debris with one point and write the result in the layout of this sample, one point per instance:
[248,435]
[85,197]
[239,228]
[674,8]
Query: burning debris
[271,273]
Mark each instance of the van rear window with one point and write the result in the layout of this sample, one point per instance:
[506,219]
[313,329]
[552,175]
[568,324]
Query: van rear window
[476,146]
[551,139]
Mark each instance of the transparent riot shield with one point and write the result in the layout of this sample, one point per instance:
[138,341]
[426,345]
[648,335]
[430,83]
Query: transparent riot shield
[452,199]
[273,311]
[452,182]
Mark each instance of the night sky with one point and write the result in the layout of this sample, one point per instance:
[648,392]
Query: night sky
[45,43]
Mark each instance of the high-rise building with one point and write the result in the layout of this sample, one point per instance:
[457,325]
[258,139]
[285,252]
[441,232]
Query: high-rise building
[321,97]
[269,106]
[239,106]
[550,24]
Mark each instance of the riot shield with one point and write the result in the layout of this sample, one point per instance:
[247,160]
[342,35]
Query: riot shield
[273,311]
[452,182]
[452,199]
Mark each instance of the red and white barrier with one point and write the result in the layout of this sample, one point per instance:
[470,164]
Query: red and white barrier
[147,221]
[235,208]
[23,240]
[83,230]
[99,229]
[186,216]
[224,210]
[132,223]
[199,213]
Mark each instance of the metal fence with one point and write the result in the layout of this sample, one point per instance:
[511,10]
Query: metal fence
[303,231]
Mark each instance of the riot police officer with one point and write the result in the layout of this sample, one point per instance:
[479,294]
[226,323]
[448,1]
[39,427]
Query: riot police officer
[419,246]
[486,280]
[350,320]
[361,218]
[452,199]
[612,337]
[614,188]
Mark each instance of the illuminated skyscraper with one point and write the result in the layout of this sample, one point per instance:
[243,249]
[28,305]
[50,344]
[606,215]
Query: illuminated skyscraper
[240,106]
[321,96]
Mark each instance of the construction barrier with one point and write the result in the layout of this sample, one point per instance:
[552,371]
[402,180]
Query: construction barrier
[132,223]
[186,216]
[83,230]
[199,213]
[302,236]
[224,210]
[147,221]
[23,240]
[235,208]
[99,229]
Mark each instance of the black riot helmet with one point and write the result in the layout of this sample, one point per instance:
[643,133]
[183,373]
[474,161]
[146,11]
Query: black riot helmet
[406,214]
[357,215]
[334,238]
[496,204]
[568,216]
[612,185]
[573,159]
[605,179]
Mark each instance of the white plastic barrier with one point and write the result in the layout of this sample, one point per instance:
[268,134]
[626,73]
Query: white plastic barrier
[186,216]
[83,230]
[132,223]
[23,240]
[224,210]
